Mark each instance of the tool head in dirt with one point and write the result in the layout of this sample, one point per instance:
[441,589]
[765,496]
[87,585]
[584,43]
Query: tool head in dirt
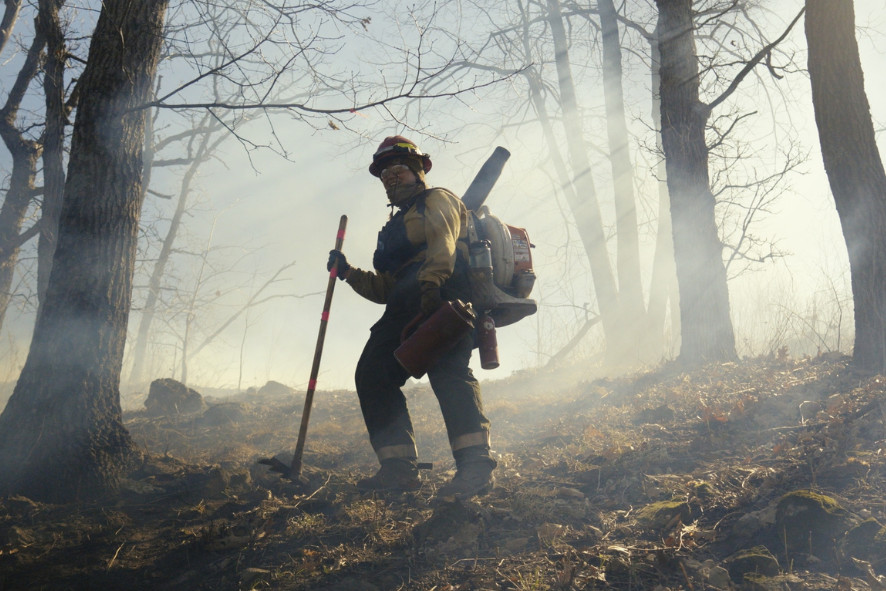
[285,471]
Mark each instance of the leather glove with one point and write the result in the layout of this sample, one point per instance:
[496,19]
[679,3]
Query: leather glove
[337,256]
[430,298]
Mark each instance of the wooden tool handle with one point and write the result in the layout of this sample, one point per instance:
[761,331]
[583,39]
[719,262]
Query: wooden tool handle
[295,469]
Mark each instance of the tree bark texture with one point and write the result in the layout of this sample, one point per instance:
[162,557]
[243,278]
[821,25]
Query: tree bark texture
[61,434]
[53,138]
[140,345]
[854,167]
[706,327]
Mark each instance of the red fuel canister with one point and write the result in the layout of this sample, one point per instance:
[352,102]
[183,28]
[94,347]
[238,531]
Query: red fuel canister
[419,350]
[487,342]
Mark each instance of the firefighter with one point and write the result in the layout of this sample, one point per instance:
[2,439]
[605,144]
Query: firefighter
[418,264]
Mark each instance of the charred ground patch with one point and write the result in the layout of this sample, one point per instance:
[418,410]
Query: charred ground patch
[665,479]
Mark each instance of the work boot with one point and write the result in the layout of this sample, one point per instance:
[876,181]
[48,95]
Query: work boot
[473,475]
[397,474]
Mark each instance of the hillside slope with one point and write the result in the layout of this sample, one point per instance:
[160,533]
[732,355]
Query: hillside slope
[762,474]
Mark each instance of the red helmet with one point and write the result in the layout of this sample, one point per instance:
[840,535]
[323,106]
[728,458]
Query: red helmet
[397,146]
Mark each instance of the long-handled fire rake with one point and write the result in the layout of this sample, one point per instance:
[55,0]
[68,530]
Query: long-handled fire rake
[294,470]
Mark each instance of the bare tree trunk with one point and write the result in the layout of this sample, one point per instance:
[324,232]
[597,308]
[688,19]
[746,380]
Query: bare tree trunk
[61,434]
[585,206]
[663,282]
[25,154]
[854,167]
[12,215]
[536,96]
[191,309]
[10,16]
[630,287]
[706,327]
[53,140]
[139,349]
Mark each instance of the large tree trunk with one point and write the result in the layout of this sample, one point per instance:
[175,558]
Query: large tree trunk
[854,167]
[585,206]
[62,434]
[706,328]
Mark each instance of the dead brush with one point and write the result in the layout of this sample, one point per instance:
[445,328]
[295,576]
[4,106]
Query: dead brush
[529,581]
[380,523]
[713,417]
[303,525]
[535,505]
[373,516]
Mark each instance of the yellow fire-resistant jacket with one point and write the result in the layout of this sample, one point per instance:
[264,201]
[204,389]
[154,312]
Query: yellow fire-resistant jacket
[440,225]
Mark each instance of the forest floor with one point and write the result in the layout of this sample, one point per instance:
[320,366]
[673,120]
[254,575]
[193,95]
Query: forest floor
[763,474]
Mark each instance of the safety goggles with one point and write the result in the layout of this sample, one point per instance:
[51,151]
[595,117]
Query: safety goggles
[391,171]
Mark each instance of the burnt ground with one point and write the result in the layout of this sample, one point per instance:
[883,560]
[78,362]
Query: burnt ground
[744,475]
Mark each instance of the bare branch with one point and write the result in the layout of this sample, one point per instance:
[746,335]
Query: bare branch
[408,94]
[10,16]
[251,302]
[752,64]
[18,240]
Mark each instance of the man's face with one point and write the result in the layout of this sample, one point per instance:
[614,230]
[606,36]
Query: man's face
[396,175]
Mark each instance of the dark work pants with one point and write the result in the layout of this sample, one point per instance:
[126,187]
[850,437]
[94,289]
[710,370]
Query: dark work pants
[379,378]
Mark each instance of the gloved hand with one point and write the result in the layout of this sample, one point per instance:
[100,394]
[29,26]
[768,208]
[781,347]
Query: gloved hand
[337,256]
[430,298]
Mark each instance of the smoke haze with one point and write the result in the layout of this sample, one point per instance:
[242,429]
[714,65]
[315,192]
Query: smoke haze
[254,212]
